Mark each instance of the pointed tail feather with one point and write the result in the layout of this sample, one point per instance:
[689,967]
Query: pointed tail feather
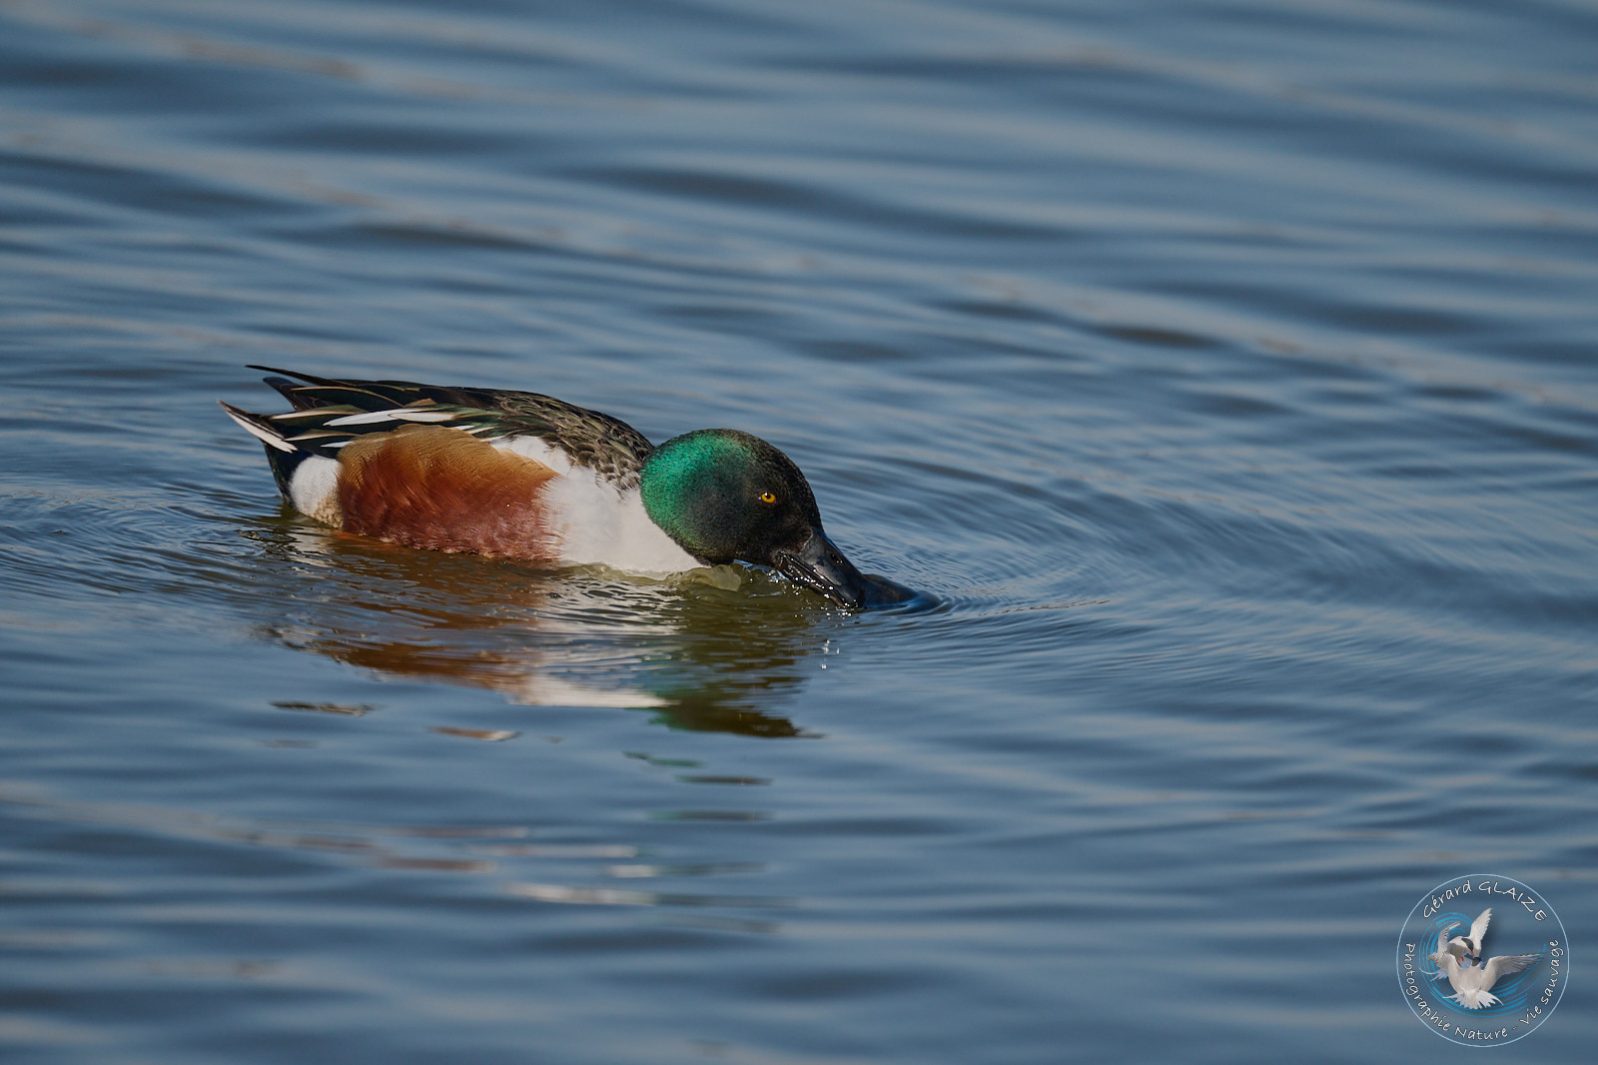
[282,456]
[258,426]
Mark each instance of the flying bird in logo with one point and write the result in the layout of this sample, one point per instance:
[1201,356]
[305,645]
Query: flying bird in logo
[1467,949]
[1473,983]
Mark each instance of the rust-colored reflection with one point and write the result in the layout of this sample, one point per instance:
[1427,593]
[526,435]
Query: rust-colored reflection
[701,652]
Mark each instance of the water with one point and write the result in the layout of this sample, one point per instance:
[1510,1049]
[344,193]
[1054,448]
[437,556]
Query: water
[1225,369]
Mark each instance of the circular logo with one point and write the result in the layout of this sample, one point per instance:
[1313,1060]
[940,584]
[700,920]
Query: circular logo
[1483,959]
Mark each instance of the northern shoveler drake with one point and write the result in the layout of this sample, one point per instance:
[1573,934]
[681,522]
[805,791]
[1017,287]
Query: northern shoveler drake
[520,475]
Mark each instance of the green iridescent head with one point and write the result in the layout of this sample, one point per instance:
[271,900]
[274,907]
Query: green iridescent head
[726,496]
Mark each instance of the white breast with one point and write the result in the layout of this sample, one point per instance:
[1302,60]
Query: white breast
[598,525]
[595,523]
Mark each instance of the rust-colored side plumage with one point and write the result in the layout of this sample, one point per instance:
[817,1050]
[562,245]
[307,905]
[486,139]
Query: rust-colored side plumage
[445,490]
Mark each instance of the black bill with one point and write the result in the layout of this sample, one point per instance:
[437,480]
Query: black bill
[821,567]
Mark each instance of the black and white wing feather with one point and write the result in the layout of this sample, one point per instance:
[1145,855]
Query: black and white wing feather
[330,412]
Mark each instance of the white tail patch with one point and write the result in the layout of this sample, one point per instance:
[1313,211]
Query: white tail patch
[314,489]
[265,436]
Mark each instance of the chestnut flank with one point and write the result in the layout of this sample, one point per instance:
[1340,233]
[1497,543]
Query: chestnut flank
[444,490]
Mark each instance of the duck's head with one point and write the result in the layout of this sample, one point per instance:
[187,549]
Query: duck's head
[726,496]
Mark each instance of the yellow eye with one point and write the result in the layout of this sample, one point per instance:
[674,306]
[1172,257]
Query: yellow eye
[768,497]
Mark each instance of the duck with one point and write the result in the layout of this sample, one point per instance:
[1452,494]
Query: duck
[525,476]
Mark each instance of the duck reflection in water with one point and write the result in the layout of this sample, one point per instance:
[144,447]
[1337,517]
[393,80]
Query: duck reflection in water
[712,651]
